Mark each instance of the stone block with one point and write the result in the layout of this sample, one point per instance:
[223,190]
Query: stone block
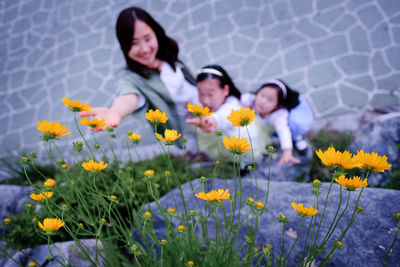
[324,99]
[220,47]
[14,64]
[158,5]
[369,16]
[344,23]
[29,7]
[33,57]
[354,64]
[252,32]
[40,18]
[89,42]
[297,58]
[252,66]
[15,100]
[396,34]
[380,36]
[323,74]
[301,8]
[178,7]
[281,12]
[379,65]
[80,27]
[4,125]
[101,55]
[294,79]
[202,14]
[30,135]
[276,31]
[266,17]
[364,82]
[231,60]
[20,26]
[79,8]
[291,39]
[310,29]
[93,81]
[267,48]
[57,92]
[75,83]
[78,64]
[273,68]
[22,119]
[389,7]
[16,42]
[384,100]
[66,50]
[246,18]
[35,76]
[200,57]
[32,39]
[326,18]
[352,97]
[329,47]
[220,27]
[17,79]
[223,8]
[393,55]
[391,83]
[181,24]
[9,15]
[359,40]
[324,4]
[241,45]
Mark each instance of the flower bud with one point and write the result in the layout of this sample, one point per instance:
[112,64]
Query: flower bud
[271,149]
[110,129]
[203,180]
[282,218]
[218,133]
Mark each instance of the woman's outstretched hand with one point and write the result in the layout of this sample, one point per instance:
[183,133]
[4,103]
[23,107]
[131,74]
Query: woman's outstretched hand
[111,117]
[206,124]
[287,156]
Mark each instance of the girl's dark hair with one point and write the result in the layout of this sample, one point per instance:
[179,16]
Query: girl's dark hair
[167,47]
[223,80]
[292,97]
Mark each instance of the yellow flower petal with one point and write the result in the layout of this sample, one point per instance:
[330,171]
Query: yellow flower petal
[236,145]
[373,161]
[198,111]
[76,105]
[332,157]
[310,211]
[242,117]
[92,165]
[156,116]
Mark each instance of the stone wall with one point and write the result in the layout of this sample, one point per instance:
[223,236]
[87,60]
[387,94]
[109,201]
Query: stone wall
[343,56]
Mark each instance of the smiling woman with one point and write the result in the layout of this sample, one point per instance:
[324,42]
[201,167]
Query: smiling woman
[154,78]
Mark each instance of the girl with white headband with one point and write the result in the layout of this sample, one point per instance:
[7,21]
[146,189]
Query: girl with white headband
[217,91]
[278,105]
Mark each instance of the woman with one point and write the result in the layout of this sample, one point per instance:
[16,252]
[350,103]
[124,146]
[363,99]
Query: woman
[154,77]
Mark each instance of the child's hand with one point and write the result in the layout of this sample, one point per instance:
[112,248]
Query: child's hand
[288,157]
[208,124]
[112,117]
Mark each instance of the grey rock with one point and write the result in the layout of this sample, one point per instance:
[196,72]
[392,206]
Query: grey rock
[382,135]
[14,197]
[372,231]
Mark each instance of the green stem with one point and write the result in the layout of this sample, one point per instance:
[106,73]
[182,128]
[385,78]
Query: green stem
[79,130]
[390,248]
[297,238]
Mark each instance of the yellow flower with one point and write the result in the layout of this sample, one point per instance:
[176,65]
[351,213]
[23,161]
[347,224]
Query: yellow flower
[49,183]
[41,196]
[51,130]
[156,116]
[135,138]
[148,214]
[92,165]
[94,123]
[149,173]
[351,184]
[171,211]
[198,111]
[250,200]
[214,195]
[190,263]
[372,161]
[64,166]
[242,117]
[32,264]
[7,220]
[76,106]
[236,145]
[303,211]
[332,157]
[260,204]
[170,136]
[114,197]
[51,224]
[164,241]
[181,228]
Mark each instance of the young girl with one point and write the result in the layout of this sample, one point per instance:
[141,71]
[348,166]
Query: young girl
[278,105]
[217,91]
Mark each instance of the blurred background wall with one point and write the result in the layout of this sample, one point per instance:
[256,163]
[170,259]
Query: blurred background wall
[342,56]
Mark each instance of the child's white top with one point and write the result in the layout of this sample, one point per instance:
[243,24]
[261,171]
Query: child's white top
[278,119]
[223,112]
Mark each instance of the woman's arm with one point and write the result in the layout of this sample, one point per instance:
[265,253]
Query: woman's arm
[121,107]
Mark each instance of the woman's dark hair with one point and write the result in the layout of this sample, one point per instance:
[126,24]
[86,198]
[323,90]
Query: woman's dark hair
[223,80]
[167,47]
[292,97]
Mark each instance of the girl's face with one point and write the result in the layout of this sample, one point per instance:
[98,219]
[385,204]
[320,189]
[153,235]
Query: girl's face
[266,100]
[144,46]
[211,94]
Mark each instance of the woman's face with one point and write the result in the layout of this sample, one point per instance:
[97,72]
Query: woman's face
[266,100]
[211,94]
[144,46]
